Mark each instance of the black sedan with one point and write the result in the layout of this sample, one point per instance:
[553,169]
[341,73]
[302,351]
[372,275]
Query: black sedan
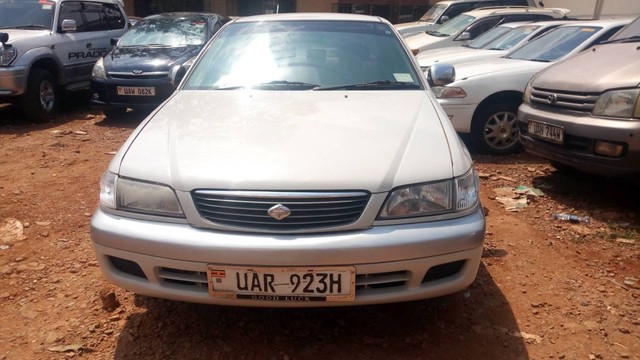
[135,74]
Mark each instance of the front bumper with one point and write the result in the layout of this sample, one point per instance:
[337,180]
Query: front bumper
[13,81]
[403,262]
[105,92]
[581,130]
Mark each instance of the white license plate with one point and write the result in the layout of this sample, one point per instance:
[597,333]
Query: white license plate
[282,283]
[546,131]
[136,91]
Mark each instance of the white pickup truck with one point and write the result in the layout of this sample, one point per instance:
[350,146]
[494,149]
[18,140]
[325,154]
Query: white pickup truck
[48,47]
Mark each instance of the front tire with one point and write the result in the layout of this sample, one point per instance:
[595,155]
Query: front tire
[40,101]
[494,129]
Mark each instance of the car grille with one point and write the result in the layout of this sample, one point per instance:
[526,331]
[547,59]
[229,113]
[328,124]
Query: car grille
[141,76]
[308,211]
[569,100]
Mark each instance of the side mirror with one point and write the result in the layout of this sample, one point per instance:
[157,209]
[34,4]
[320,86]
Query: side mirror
[114,41]
[464,36]
[176,75]
[444,19]
[4,37]
[441,74]
[68,25]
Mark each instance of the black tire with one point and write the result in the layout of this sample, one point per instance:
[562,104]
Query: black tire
[114,112]
[40,101]
[494,129]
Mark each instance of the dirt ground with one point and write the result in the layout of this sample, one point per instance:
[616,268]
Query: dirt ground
[546,289]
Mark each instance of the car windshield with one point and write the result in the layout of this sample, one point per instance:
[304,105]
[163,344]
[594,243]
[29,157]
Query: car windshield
[165,32]
[453,26]
[631,31]
[511,39]
[305,55]
[555,44]
[487,37]
[26,14]
[433,13]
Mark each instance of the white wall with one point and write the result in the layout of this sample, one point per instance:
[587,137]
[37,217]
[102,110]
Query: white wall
[586,8]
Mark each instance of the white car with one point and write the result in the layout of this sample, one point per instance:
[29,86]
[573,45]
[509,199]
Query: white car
[467,26]
[303,161]
[442,11]
[483,100]
[494,43]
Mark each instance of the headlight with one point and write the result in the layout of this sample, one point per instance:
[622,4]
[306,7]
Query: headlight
[458,194]
[618,103]
[98,70]
[7,55]
[526,98]
[445,92]
[137,196]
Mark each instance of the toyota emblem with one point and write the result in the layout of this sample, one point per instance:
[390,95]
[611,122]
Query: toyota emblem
[552,98]
[279,212]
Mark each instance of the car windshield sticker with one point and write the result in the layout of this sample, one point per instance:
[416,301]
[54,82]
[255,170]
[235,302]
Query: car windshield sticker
[46,5]
[403,77]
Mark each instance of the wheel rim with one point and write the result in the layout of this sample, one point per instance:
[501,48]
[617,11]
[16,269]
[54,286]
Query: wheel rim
[500,130]
[47,95]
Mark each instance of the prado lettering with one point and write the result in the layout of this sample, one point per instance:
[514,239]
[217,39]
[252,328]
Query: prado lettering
[94,54]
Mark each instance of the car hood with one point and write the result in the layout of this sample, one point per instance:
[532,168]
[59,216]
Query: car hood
[456,55]
[148,58]
[422,40]
[414,24]
[501,66]
[290,140]
[609,66]
[17,36]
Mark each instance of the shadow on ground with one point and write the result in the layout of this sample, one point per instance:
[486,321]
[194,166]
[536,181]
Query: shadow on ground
[477,324]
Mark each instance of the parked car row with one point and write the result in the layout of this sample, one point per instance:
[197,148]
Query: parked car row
[483,99]
[589,123]
[467,26]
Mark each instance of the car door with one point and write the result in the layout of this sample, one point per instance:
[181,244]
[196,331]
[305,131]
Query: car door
[78,50]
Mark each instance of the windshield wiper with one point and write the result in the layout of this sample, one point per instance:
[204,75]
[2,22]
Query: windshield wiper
[623,40]
[541,60]
[25,26]
[287,85]
[376,85]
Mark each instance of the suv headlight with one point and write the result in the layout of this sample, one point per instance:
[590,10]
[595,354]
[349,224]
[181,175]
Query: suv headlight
[618,103]
[138,196]
[434,198]
[446,92]
[98,70]
[526,98]
[7,55]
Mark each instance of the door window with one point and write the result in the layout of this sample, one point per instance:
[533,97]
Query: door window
[94,17]
[72,10]
[114,16]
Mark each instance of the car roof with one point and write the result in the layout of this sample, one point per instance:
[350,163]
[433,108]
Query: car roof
[600,22]
[310,16]
[508,10]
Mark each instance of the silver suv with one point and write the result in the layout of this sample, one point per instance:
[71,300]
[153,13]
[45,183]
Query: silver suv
[50,46]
